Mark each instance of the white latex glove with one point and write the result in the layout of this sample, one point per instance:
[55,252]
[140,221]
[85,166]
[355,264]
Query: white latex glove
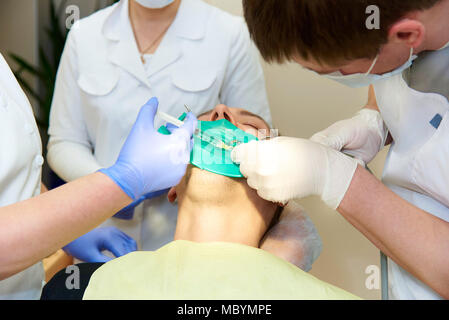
[362,136]
[283,168]
[294,238]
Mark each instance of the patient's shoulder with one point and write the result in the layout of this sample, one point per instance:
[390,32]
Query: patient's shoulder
[108,281]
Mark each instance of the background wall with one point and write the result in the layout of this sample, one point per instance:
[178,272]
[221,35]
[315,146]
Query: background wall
[301,104]
[17,28]
[18,32]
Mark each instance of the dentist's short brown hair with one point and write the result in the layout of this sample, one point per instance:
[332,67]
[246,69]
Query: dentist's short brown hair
[328,30]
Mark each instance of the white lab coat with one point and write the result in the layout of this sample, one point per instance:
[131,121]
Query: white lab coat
[205,58]
[20,172]
[417,167]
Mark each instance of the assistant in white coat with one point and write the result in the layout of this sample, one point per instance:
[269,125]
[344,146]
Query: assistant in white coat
[205,58]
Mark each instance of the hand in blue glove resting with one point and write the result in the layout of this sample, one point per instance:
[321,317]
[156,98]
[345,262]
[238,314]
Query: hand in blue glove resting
[150,161]
[127,213]
[89,247]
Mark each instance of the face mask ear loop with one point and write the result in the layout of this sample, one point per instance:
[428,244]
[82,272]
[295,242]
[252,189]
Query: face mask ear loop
[377,57]
[411,53]
[372,65]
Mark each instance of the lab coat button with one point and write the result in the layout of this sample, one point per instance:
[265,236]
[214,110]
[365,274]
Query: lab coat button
[38,161]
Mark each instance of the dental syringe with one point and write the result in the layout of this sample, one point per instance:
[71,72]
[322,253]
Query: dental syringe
[228,144]
[212,140]
[169,119]
[202,135]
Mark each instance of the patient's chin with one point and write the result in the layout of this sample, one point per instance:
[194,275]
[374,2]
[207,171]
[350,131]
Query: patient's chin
[207,180]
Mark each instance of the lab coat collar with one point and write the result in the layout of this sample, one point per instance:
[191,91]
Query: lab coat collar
[111,25]
[123,49]
[190,23]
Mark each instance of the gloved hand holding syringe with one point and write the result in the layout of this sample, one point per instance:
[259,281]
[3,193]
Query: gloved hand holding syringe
[204,136]
[226,141]
[213,142]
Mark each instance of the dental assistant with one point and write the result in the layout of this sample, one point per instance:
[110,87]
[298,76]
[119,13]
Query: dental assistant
[406,60]
[33,226]
[185,52]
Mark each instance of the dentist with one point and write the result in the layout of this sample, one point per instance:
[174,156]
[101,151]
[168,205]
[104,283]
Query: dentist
[406,60]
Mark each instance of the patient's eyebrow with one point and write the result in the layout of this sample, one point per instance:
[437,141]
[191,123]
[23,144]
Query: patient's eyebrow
[250,114]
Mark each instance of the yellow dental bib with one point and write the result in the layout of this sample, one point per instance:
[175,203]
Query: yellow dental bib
[206,271]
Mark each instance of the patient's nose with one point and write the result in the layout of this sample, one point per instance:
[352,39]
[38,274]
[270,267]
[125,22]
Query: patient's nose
[222,112]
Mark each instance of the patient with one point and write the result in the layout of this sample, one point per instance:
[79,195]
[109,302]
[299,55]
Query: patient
[215,254]
[212,207]
[206,199]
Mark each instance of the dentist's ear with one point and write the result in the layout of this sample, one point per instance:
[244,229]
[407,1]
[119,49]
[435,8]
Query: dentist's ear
[407,31]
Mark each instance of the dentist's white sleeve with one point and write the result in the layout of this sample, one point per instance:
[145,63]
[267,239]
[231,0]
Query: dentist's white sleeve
[69,149]
[244,83]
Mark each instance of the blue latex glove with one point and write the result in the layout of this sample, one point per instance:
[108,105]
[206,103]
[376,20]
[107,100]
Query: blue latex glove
[150,161]
[89,247]
[127,212]
[170,127]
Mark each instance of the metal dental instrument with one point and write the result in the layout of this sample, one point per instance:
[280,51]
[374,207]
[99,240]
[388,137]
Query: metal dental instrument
[187,108]
[226,145]
[209,138]
[214,141]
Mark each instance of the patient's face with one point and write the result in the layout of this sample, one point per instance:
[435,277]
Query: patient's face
[241,118]
[203,186]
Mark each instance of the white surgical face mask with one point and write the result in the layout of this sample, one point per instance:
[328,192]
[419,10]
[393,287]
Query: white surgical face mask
[358,80]
[154,4]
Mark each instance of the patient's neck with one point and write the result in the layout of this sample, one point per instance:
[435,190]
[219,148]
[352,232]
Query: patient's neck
[231,222]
